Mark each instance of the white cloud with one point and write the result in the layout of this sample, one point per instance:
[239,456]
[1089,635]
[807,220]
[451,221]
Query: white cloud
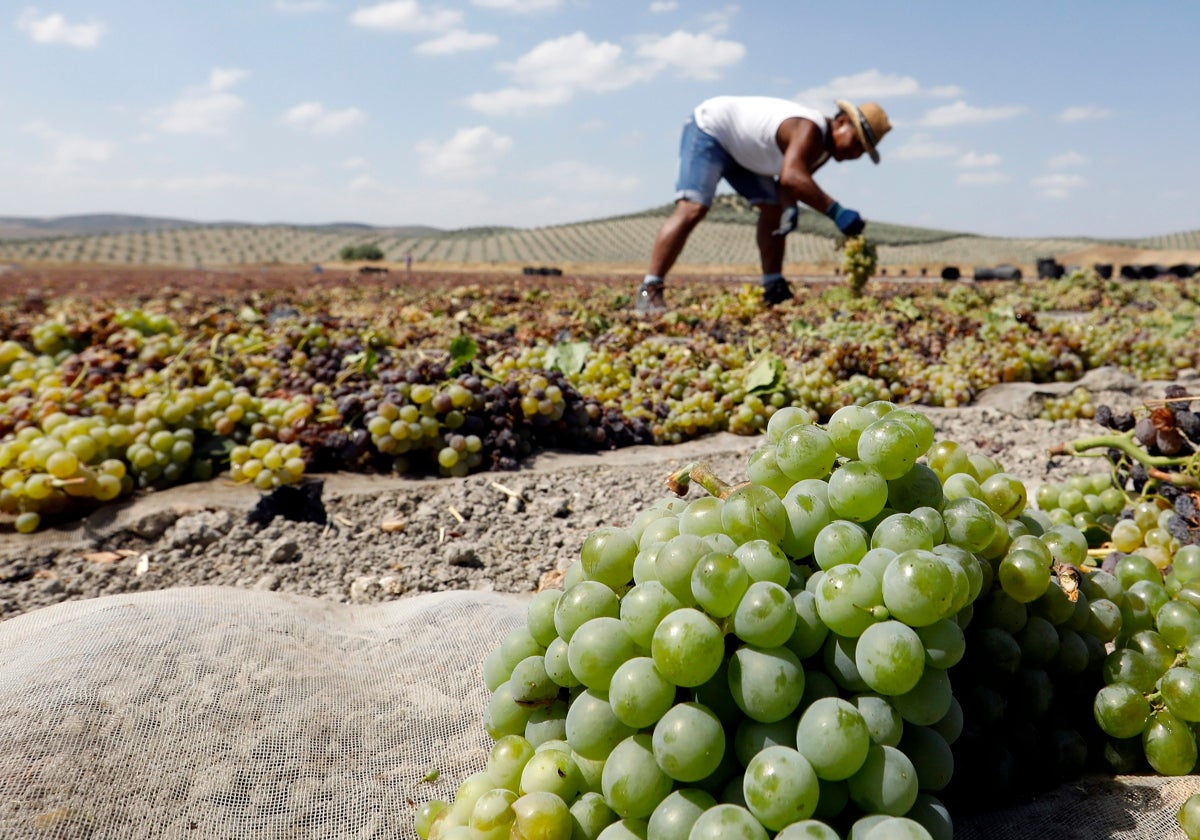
[1058,186]
[314,117]
[584,177]
[365,183]
[223,78]
[575,61]
[871,84]
[355,163]
[693,56]
[1084,112]
[71,152]
[974,179]
[520,7]
[555,70]
[960,113]
[469,153]
[204,110]
[922,147]
[1066,160]
[509,101]
[300,6]
[975,160]
[717,22]
[53,28]
[456,41]
[659,7]
[405,16]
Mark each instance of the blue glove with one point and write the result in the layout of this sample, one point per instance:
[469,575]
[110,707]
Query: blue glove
[848,221]
[787,220]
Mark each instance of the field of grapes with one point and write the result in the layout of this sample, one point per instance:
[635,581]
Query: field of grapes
[879,620]
[723,244]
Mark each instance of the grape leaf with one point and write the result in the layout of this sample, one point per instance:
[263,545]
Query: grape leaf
[800,327]
[569,356]
[1181,325]
[363,361]
[462,352]
[906,307]
[765,375]
[214,447]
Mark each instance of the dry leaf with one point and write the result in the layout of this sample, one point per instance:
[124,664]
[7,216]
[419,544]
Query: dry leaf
[551,580]
[103,556]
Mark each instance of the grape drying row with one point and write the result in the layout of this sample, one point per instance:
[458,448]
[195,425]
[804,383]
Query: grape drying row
[98,402]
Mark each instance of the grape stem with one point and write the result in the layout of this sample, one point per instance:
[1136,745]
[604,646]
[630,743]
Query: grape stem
[700,473]
[1125,444]
[1178,479]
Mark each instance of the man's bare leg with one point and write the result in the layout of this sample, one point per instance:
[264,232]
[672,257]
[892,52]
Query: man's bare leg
[668,245]
[673,235]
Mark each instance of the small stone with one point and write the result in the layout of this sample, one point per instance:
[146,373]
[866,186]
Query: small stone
[154,525]
[462,554]
[391,585]
[200,529]
[515,504]
[51,586]
[282,550]
[364,588]
[559,506]
[267,583]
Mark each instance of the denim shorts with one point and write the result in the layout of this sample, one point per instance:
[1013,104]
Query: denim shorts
[703,162]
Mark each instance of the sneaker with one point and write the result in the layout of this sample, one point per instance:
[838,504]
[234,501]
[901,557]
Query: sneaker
[650,299]
[777,291]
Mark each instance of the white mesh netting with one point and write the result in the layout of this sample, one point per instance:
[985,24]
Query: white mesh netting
[220,712]
[217,712]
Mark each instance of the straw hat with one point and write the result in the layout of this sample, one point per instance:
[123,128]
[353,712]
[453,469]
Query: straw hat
[871,123]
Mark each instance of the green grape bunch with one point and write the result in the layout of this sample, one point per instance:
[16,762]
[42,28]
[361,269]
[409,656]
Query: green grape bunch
[1150,701]
[771,659]
[859,261]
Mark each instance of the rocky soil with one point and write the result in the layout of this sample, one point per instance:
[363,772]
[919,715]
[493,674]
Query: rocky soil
[386,537]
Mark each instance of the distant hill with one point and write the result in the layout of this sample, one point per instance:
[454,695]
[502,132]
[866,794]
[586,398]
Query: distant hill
[93,224]
[30,227]
[724,243]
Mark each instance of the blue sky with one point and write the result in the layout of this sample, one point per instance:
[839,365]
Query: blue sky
[1012,119]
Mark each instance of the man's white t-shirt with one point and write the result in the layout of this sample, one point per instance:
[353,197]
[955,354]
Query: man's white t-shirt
[746,127]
